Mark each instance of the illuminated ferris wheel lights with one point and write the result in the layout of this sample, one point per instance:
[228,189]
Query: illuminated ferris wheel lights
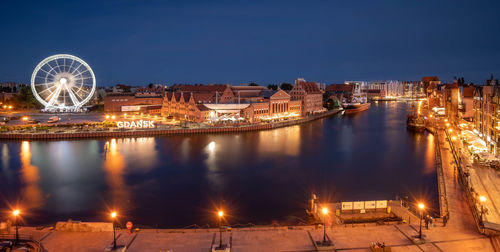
[63,83]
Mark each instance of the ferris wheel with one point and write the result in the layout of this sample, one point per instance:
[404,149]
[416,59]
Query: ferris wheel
[63,83]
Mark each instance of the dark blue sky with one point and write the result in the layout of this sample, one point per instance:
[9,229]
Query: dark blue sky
[138,42]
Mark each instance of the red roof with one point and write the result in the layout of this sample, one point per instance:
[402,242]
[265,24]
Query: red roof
[309,87]
[430,78]
[200,88]
[340,87]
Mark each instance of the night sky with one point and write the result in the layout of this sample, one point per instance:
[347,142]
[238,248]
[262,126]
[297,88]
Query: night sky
[138,42]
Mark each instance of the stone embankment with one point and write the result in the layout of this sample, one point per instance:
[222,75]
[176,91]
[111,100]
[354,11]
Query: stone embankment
[159,132]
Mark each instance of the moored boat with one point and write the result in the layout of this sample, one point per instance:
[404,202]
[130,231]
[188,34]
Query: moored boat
[415,121]
[355,108]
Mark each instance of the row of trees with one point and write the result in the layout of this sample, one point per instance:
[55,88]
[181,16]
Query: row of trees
[283,86]
[25,99]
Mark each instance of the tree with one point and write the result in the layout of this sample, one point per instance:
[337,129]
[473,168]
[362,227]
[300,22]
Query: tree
[25,99]
[286,86]
[150,85]
[253,84]
[329,104]
[272,86]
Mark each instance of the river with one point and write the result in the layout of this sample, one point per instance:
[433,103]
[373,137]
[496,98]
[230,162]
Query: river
[256,177]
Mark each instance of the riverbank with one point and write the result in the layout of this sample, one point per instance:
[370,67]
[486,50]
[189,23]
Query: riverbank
[289,238]
[118,133]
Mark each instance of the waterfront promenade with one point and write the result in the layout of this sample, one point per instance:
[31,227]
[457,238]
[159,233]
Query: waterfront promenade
[72,133]
[349,238]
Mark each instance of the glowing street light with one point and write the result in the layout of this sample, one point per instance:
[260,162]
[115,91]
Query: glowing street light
[482,199]
[25,118]
[113,117]
[453,138]
[107,116]
[450,130]
[421,207]
[16,213]
[325,213]
[113,217]
[447,125]
[220,213]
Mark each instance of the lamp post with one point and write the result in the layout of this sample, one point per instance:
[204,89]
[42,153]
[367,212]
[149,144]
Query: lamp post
[16,213]
[220,214]
[482,199]
[421,207]
[325,212]
[113,217]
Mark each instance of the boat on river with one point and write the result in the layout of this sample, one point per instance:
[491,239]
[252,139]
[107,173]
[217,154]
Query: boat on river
[415,121]
[355,104]
[351,108]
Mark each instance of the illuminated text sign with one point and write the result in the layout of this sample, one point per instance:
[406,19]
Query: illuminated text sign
[135,124]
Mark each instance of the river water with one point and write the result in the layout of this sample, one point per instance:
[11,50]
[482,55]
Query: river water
[256,177]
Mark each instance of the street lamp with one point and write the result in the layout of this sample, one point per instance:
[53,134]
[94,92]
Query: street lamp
[113,217]
[16,213]
[220,214]
[325,212]
[421,207]
[482,199]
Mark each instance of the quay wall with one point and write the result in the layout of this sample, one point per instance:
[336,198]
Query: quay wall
[160,132]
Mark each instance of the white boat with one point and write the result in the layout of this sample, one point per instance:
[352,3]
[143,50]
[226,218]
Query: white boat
[53,119]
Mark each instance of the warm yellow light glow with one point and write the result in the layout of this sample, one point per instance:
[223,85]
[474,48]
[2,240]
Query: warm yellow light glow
[430,116]
[324,210]
[482,199]
[220,213]
[450,130]
[113,117]
[107,116]
[211,146]
[25,118]
[113,215]
[447,125]
[10,107]
[16,212]
[453,138]
[446,120]
[421,206]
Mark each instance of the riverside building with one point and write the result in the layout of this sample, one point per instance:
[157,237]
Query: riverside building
[310,96]
[225,103]
[487,113]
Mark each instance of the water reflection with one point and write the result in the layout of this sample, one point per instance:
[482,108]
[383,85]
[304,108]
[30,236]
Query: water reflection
[31,195]
[114,165]
[213,173]
[283,141]
[266,175]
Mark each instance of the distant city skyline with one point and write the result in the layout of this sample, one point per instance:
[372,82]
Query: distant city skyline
[137,43]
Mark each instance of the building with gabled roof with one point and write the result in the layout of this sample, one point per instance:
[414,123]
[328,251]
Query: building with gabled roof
[309,94]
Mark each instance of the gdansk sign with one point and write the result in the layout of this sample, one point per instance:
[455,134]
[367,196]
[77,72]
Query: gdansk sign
[135,124]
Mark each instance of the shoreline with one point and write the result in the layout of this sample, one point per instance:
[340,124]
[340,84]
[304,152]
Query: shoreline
[161,132]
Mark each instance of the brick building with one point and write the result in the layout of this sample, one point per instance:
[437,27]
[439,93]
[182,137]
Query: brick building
[310,96]
[486,113]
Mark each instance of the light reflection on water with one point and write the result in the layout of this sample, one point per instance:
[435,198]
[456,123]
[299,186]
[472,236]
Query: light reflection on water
[261,176]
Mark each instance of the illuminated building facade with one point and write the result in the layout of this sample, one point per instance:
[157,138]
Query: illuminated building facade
[487,113]
[310,96]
